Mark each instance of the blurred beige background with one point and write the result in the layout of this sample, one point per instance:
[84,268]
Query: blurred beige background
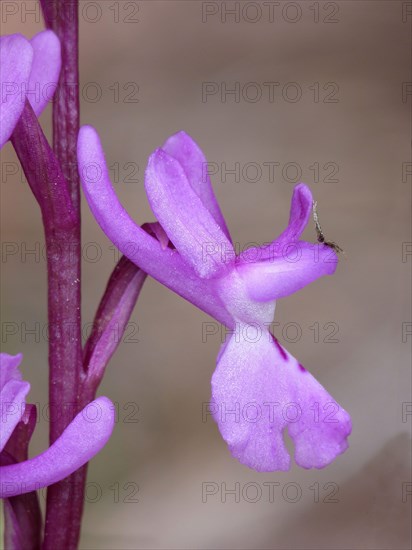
[163,59]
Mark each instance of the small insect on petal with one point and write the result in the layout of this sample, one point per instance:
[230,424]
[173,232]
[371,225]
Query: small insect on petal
[319,232]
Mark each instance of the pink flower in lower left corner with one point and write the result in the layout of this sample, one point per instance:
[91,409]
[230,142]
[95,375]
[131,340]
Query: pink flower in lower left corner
[84,437]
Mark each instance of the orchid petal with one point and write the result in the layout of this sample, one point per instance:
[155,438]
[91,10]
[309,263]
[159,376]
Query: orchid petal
[299,264]
[163,264]
[45,70]
[16,55]
[13,391]
[320,433]
[85,436]
[259,390]
[187,222]
[189,155]
[132,240]
[300,211]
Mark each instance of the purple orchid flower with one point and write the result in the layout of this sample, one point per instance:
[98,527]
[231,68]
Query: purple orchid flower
[258,389]
[29,69]
[85,436]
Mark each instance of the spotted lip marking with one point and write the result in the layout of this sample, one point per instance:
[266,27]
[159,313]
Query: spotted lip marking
[281,350]
[302,368]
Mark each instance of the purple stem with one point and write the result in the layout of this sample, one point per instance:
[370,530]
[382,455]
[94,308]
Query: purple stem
[61,225]
[62,17]
[65,499]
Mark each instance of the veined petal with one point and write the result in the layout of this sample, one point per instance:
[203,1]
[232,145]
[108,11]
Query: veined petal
[13,391]
[259,390]
[16,55]
[162,263]
[189,225]
[187,152]
[299,264]
[45,70]
[85,436]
